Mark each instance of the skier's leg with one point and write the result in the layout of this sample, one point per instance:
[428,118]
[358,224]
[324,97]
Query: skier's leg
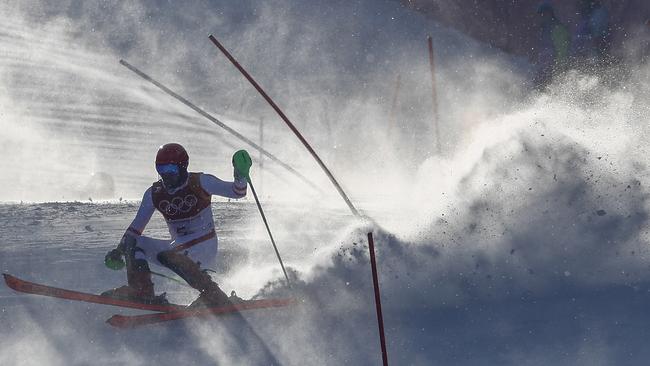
[139,285]
[138,274]
[187,266]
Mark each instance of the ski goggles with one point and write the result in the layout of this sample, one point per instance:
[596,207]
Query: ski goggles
[167,169]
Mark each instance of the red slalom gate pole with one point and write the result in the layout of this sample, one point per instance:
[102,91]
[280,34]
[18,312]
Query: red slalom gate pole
[380,317]
[288,123]
[434,113]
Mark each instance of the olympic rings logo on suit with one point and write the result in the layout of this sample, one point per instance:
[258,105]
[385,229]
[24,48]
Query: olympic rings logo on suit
[178,205]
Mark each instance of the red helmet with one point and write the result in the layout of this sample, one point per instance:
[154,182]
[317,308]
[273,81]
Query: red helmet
[172,153]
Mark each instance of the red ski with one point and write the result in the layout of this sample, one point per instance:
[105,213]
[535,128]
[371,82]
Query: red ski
[38,289]
[123,321]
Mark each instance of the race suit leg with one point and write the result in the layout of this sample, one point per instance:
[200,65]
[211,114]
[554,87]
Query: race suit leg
[187,264]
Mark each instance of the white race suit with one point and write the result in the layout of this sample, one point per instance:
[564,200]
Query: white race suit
[192,230]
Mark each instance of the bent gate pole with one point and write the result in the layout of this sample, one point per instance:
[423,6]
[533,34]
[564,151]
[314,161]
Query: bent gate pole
[218,123]
[332,179]
[288,122]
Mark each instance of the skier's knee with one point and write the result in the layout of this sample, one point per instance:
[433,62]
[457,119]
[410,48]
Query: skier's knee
[163,258]
[166,258]
[175,261]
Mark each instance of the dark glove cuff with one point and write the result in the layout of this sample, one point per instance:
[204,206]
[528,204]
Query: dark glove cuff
[121,247]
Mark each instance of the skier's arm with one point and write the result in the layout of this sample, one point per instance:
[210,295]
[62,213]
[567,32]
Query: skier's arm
[143,216]
[113,259]
[216,186]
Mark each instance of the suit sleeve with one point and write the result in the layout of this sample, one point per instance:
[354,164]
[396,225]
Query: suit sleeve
[143,216]
[218,187]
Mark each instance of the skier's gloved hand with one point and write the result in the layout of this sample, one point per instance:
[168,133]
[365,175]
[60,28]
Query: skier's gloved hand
[113,260]
[242,163]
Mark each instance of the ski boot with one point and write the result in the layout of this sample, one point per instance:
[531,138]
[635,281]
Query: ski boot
[190,271]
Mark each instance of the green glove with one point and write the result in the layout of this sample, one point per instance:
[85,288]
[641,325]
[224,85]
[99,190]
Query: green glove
[242,162]
[113,260]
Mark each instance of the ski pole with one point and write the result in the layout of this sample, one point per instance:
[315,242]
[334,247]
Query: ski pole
[259,207]
[169,278]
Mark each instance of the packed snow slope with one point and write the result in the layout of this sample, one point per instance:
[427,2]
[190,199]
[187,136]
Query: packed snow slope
[524,243]
[541,259]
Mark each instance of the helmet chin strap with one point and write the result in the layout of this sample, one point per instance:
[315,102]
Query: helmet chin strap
[182,178]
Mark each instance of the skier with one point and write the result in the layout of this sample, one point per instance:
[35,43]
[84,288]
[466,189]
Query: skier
[184,201]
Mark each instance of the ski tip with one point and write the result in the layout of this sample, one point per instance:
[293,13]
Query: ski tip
[9,280]
[15,283]
[118,321]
